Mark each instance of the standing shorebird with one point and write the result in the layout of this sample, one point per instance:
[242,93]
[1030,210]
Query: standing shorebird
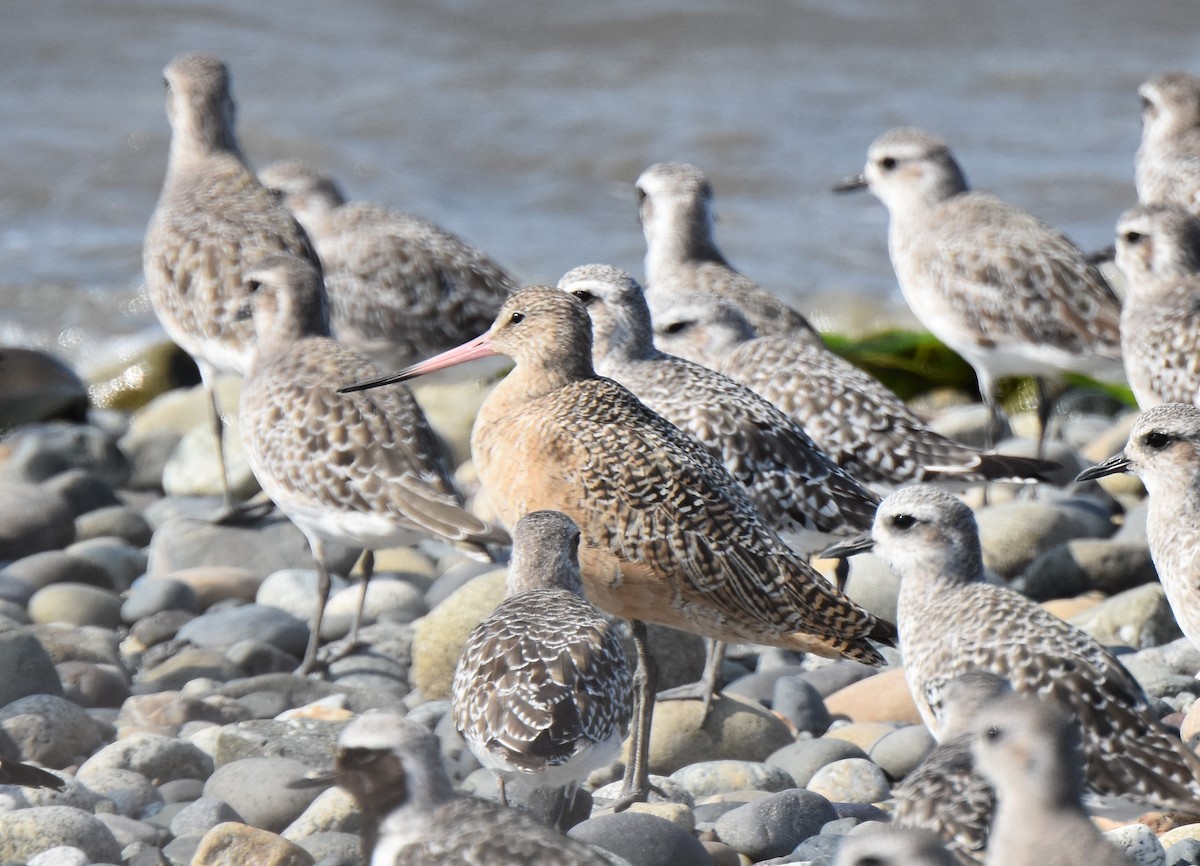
[945,794]
[863,427]
[893,847]
[400,288]
[1009,293]
[361,470]
[1030,752]
[1167,169]
[675,207]
[542,692]
[213,219]
[1164,451]
[952,621]
[1158,250]
[667,536]
[413,817]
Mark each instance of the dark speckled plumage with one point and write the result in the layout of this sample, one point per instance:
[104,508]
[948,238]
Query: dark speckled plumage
[543,691]
[400,288]
[412,817]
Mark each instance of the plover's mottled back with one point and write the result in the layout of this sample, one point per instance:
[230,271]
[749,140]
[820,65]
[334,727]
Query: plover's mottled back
[675,207]
[542,691]
[412,816]
[213,219]
[1158,250]
[1168,160]
[862,426]
[893,847]
[1164,451]
[361,470]
[1009,293]
[668,536]
[400,288]
[795,486]
[945,794]
[952,621]
[1029,750]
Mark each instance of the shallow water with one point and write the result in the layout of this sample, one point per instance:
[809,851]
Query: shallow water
[522,125]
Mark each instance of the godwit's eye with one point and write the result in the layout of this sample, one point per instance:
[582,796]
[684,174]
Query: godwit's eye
[904,522]
[517,318]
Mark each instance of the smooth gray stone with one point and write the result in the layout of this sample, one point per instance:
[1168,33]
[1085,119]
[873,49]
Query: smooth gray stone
[804,758]
[40,570]
[1013,534]
[715,777]
[257,657]
[78,604]
[117,521]
[222,628]
[836,676]
[1084,564]
[49,730]
[309,741]
[28,668]
[261,790]
[93,685]
[24,832]
[83,490]
[131,794]
[334,849]
[851,780]
[32,519]
[121,560]
[798,701]
[128,830]
[202,815]
[901,751]
[148,597]
[41,451]
[775,825]
[642,840]
[37,386]
[160,759]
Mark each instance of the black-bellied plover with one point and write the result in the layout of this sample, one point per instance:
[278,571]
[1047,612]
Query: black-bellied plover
[675,207]
[944,793]
[854,418]
[362,470]
[400,288]
[1158,250]
[1164,451]
[543,692]
[893,847]
[668,536]
[412,816]
[952,621]
[213,219]
[1009,293]
[1167,169]
[1029,749]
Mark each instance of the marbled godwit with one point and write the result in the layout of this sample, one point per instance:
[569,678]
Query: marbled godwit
[412,817]
[667,535]
[864,427]
[945,794]
[1164,451]
[675,207]
[1168,161]
[951,621]
[212,220]
[1009,293]
[1029,750]
[361,470]
[400,288]
[1158,249]
[542,692]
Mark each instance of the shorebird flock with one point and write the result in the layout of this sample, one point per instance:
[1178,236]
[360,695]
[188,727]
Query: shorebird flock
[673,452]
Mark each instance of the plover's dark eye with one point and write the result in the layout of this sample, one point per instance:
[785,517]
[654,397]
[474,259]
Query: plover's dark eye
[641,194]
[677,327]
[1157,440]
[903,521]
[992,733]
[1146,104]
[517,318]
[584,295]
[253,286]
[887,163]
[1133,238]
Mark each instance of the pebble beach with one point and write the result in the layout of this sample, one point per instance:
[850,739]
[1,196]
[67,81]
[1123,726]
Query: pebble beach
[150,654]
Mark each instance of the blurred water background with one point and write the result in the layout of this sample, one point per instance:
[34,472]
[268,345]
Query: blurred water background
[522,124]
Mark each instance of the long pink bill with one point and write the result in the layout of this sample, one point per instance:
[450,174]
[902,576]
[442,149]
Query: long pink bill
[480,347]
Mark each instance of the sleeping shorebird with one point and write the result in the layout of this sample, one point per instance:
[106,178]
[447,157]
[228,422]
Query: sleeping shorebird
[400,288]
[1167,170]
[952,621]
[412,816]
[1007,292]
[213,219]
[362,470]
[543,692]
[667,536]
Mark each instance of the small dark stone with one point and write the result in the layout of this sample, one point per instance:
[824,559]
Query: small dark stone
[642,840]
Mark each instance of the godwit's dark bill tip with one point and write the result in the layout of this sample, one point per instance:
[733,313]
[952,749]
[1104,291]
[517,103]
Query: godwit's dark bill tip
[402,376]
[851,184]
[1111,466]
[849,547]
